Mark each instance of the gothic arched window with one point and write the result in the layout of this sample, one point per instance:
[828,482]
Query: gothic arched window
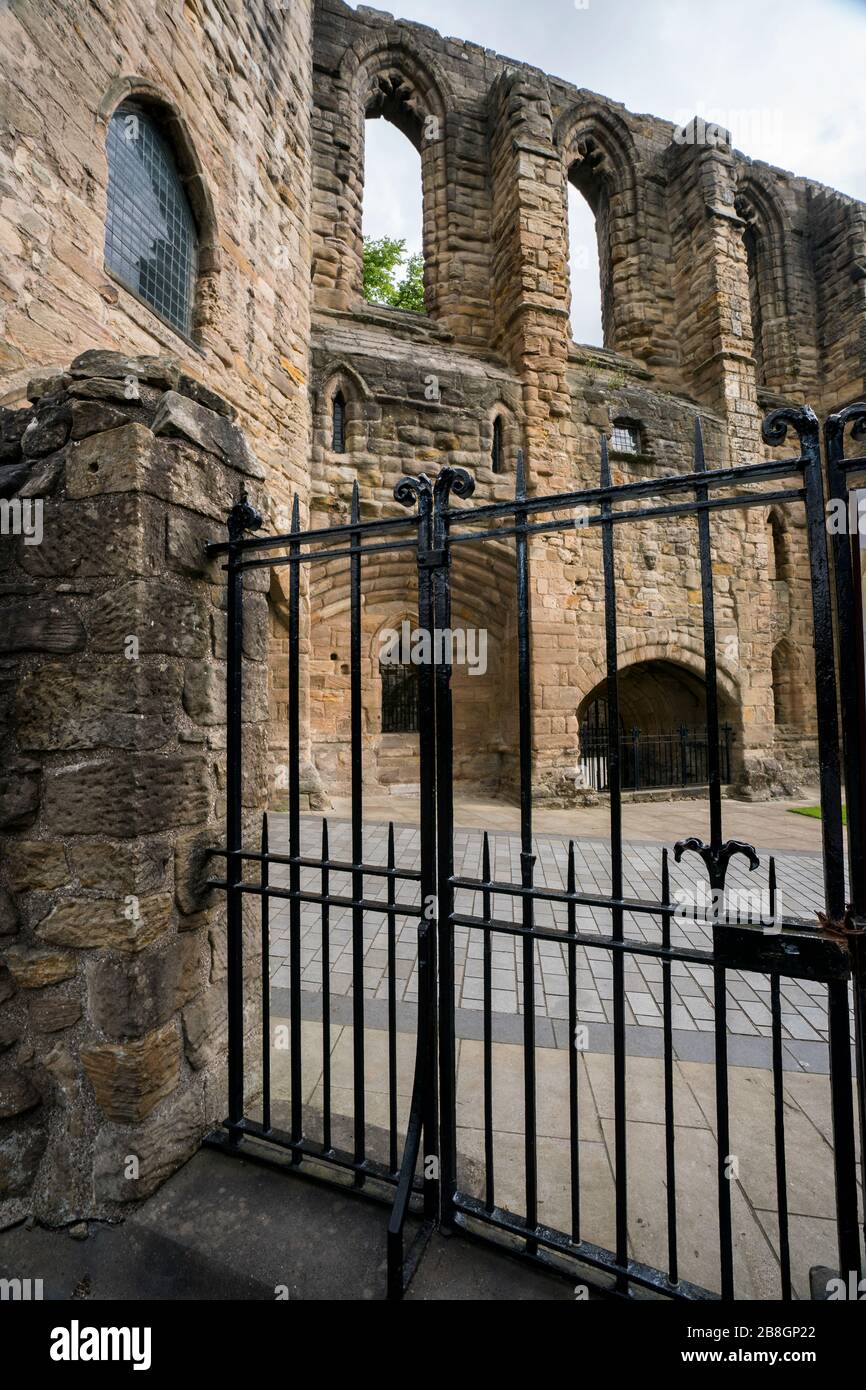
[151,240]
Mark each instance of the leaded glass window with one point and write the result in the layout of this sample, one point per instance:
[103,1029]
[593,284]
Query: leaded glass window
[150,234]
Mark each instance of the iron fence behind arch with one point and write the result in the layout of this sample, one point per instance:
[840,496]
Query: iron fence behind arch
[655,761]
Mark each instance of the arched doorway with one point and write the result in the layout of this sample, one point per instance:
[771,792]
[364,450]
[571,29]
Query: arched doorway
[663,737]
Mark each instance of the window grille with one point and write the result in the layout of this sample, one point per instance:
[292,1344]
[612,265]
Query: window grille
[151,242]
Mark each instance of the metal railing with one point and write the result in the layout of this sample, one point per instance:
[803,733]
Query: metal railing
[436,897]
[679,758]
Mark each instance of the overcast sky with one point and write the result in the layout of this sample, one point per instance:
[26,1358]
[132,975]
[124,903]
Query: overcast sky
[785,76]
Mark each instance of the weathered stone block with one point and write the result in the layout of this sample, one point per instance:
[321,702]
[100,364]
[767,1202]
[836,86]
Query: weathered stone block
[8,914]
[180,417]
[47,432]
[17,1094]
[93,417]
[204,691]
[32,967]
[118,460]
[161,1144]
[52,1010]
[95,538]
[124,924]
[189,386]
[161,372]
[205,1028]
[130,997]
[19,797]
[35,865]
[40,625]
[123,868]
[13,477]
[139,796]
[186,537]
[193,866]
[21,1150]
[124,704]
[130,1079]
[164,617]
[44,478]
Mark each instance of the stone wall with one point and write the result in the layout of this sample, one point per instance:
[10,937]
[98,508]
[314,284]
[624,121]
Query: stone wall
[112,661]
[231,81]
[266,104]
[695,240]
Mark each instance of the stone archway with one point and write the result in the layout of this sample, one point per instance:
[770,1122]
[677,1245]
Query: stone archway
[662,728]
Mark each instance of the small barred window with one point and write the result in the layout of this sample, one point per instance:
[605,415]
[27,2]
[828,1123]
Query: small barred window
[626,437]
[401,690]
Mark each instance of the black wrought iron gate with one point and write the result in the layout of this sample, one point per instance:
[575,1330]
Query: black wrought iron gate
[419,1176]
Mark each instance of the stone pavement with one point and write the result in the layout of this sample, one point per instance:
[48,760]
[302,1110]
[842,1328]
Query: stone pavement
[800,894]
[755,1225]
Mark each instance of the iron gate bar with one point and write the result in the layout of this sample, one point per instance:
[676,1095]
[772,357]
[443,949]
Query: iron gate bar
[573,1086]
[326,985]
[801,950]
[673,482]
[241,517]
[437,559]
[720,997]
[294,754]
[392,1008]
[357,792]
[849,616]
[489,1185]
[503,533]
[614,777]
[527,858]
[332,900]
[342,866]
[667,1025]
[266,979]
[586,1253]
[806,424]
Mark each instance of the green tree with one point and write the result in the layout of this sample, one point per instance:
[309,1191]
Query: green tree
[383,258]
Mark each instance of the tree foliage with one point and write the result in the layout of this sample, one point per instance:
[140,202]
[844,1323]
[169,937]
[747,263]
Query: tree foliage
[384,258]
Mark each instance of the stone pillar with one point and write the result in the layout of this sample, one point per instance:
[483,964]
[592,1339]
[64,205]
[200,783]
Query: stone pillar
[530,274]
[711,277]
[112,661]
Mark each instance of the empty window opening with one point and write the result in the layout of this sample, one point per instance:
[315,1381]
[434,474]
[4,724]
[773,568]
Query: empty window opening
[497,453]
[750,238]
[393,219]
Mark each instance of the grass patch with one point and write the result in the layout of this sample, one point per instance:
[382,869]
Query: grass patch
[814,812]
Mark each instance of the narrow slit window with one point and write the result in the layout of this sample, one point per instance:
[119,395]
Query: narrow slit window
[496,450]
[338,424]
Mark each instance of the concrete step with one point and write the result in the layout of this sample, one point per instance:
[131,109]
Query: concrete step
[227,1229]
